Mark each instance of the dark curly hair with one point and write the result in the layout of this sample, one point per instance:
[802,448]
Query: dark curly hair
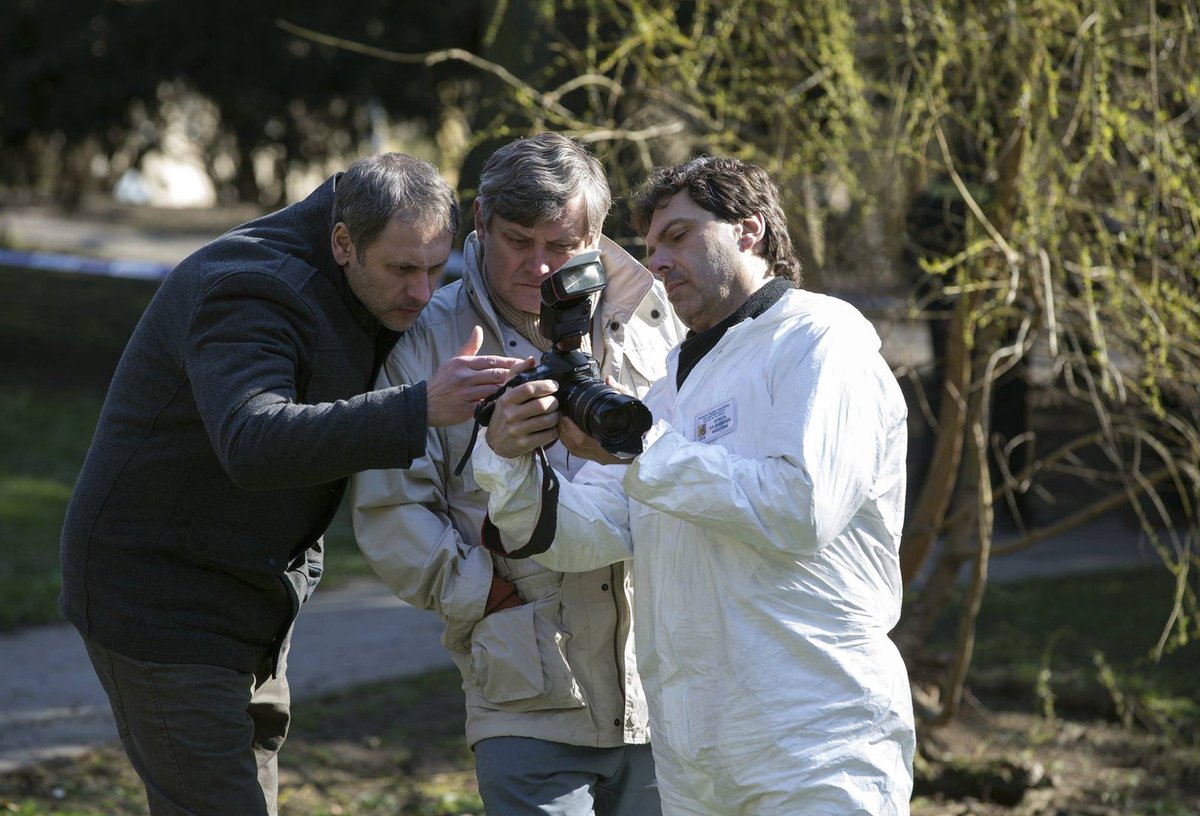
[731,190]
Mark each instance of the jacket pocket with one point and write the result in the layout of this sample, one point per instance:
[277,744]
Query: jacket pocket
[519,663]
[240,590]
[236,550]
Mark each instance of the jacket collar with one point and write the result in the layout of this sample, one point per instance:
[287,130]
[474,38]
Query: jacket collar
[628,282]
[809,307]
[323,199]
[316,212]
[472,277]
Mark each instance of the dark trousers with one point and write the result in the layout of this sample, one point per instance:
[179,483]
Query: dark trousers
[520,776]
[203,739]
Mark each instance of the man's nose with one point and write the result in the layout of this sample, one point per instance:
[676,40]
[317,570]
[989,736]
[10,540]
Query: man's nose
[660,263]
[420,289]
[543,264]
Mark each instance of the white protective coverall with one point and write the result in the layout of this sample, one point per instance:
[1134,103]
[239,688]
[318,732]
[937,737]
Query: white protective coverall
[763,519]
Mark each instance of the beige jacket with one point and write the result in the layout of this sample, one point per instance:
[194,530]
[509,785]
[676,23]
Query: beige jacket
[560,667]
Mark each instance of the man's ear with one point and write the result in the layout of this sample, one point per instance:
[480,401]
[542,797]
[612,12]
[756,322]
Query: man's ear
[340,243]
[480,227]
[752,230]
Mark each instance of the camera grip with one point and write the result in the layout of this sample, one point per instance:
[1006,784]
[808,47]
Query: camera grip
[485,410]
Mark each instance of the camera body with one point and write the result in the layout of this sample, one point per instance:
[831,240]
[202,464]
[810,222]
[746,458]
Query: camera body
[617,421]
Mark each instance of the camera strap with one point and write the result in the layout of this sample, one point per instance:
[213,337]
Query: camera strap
[462,463]
[547,523]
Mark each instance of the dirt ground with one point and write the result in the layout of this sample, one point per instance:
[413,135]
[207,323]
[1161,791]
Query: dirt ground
[397,748]
[1017,763]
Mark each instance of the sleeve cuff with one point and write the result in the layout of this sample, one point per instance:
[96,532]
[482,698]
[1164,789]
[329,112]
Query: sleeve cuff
[396,427]
[658,444]
[514,495]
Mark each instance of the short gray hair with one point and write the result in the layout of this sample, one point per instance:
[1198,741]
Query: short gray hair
[533,179]
[376,189]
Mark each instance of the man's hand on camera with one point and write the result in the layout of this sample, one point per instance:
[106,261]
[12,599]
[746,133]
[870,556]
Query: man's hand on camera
[525,417]
[453,391]
[584,446]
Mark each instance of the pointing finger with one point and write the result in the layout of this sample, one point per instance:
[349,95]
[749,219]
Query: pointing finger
[492,361]
[473,343]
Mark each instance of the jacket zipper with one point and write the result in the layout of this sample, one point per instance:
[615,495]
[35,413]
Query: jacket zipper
[618,649]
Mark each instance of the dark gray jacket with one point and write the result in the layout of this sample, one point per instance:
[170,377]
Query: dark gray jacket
[238,409]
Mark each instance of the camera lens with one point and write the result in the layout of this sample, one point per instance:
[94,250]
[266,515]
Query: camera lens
[614,422]
[614,419]
[623,423]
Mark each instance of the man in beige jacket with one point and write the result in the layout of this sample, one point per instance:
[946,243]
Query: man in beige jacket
[556,714]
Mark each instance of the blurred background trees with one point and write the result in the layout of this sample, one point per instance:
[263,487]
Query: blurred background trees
[1019,179]
[88,90]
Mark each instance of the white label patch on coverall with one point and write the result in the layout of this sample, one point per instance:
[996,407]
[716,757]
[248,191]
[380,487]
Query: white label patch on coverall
[716,422]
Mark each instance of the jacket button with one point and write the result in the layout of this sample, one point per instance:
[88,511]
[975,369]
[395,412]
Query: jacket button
[615,326]
[604,587]
[655,313]
[512,342]
[271,562]
[617,723]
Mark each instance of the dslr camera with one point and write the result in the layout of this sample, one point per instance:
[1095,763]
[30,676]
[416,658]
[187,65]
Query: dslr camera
[615,420]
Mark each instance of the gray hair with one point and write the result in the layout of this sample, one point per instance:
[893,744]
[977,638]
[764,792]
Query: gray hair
[533,179]
[376,189]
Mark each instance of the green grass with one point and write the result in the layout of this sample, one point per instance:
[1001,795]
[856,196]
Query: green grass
[76,312]
[42,444]
[1084,643]
[45,431]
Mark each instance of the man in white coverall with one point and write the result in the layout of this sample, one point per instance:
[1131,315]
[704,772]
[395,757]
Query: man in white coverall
[763,518]
[556,714]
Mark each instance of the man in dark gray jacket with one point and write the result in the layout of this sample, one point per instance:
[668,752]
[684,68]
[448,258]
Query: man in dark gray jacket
[239,408]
